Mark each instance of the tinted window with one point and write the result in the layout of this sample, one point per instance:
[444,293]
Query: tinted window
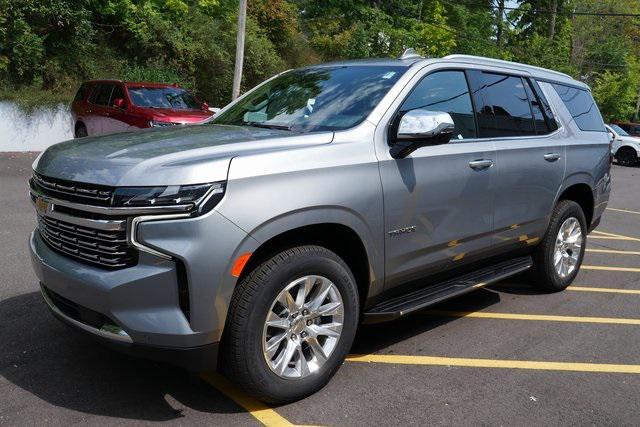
[503,106]
[582,107]
[445,91]
[163,97]
[552,125]
[536,108]
[314,99]
[101,94]
[117,93]
[82,92]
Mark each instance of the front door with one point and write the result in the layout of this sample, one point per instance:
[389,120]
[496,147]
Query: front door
[438,201]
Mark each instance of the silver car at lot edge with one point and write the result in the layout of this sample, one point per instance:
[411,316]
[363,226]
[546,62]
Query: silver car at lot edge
[327,196]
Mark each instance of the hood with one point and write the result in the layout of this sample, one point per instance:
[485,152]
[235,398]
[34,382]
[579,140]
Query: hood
[181,155]
[177,115]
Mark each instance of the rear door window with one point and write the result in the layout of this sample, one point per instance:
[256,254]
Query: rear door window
[582,107]
[82,92]
[502,106]
[445,91]
[101,94]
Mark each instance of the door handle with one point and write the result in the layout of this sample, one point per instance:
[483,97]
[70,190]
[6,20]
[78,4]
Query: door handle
[481,164]
[551,157]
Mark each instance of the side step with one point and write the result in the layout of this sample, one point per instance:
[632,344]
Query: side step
[408,303]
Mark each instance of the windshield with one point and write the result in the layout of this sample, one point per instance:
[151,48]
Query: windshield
[163,97]
[314,99]
[619,130]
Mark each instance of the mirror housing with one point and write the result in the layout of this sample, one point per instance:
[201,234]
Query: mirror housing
[421,128]
[119,103]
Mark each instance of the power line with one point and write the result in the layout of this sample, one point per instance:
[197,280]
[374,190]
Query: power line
[549,12]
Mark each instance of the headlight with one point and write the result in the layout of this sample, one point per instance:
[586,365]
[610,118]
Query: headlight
[206,196]
[158,123]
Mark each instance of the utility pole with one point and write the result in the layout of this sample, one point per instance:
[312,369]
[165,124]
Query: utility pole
[237,72]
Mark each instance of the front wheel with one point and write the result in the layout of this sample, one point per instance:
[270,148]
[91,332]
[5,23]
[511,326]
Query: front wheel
[558,258]
[291,323]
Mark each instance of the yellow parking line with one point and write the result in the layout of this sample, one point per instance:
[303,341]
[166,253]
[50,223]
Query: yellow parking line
[536,317]
[604,268]
[623,210]
[592,237]
[259,410]
[603,290]
[494,363]
[613,235]
[612,251]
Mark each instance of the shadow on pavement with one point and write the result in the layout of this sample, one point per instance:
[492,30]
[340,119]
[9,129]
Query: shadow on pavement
[375,338]
[69,370]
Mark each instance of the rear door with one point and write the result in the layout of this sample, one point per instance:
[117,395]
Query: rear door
[438,203]
[530,155]
[99,108]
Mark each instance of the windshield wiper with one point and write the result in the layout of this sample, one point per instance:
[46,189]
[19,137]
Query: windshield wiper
[267,125]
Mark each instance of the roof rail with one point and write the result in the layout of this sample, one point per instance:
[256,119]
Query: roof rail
[485,60]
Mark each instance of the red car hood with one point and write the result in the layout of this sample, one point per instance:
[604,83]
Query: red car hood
[178,116]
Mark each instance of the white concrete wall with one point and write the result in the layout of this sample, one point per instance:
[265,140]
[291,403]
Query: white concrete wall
[34,131]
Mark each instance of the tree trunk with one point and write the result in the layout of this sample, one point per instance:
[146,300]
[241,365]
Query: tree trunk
[552,21]
[499,22]
[637,115]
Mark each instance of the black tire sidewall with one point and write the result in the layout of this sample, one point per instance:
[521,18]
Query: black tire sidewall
[550,277]
[81,131]
[626,156]
[331,267]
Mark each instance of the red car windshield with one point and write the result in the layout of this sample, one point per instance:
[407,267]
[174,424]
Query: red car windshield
[163,97]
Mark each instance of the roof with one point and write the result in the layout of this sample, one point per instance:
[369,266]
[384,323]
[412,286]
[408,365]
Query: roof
[537,72]
[129,83]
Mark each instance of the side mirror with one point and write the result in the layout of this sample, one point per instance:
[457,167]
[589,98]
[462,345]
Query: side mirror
[421,128]
[205,106]
[119,103]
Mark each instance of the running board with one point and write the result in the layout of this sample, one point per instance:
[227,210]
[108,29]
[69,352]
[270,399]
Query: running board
[413,301]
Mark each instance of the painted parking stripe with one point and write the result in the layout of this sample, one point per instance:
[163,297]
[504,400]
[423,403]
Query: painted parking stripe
[534,317]
[623,210]
[592,237]
[606,268]
[612,236]
[603,290]
[256,408]
[612,251]
[494,363]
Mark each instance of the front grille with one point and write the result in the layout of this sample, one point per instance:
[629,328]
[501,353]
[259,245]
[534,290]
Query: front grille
[73,191]
[104,248]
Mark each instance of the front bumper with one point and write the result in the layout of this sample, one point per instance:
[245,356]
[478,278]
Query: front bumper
[134,310]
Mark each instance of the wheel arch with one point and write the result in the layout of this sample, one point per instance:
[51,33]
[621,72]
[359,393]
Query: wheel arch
[338,237]
[580,190]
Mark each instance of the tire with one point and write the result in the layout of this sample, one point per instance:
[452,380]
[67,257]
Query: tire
[81,131]
[626,156]
[544,272]
[245,359]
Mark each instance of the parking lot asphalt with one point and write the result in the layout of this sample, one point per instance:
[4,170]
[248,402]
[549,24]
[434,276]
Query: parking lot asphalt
[507,354]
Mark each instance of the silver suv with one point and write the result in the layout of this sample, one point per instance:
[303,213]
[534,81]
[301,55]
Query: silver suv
[328,196]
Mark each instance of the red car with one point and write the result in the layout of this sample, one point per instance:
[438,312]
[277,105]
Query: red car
[108,106]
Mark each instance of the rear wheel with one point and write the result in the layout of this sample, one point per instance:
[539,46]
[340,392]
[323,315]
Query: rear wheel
[291,322]
[558,258]
[626,156]
[81,131]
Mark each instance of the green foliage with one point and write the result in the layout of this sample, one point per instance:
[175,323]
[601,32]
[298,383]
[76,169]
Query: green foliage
[48,47]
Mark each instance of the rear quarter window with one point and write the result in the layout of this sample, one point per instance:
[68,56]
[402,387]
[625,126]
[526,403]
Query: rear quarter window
[582,107]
